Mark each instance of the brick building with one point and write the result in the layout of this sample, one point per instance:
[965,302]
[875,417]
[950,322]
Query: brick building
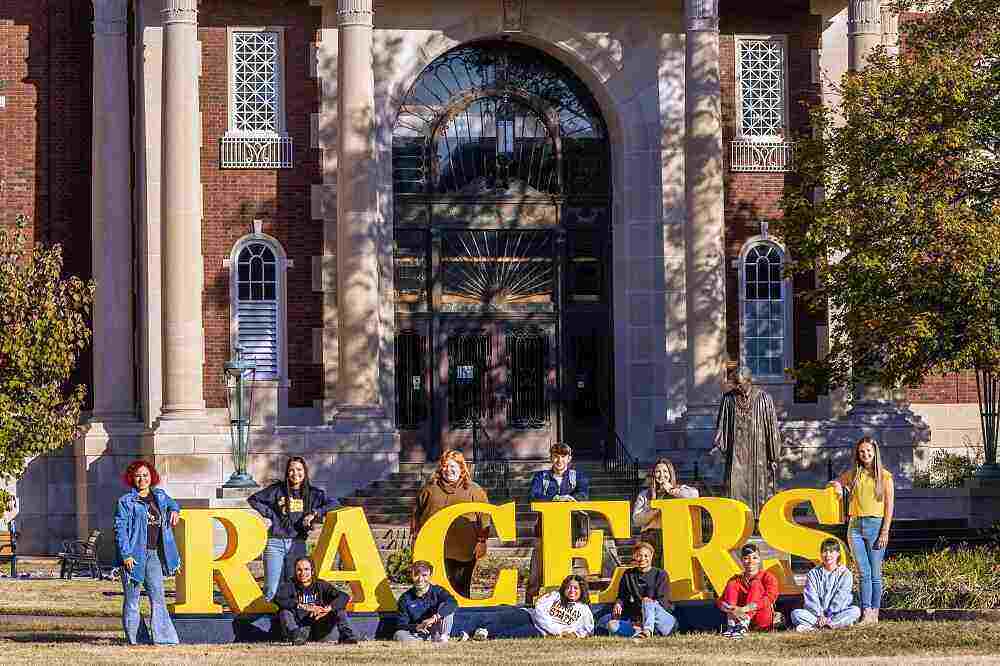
[547,219]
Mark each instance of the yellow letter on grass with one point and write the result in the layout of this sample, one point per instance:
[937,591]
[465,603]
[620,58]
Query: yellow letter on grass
[558,552]
[779,529]
[429,546]
[683,545]
[346,532]
[246,536]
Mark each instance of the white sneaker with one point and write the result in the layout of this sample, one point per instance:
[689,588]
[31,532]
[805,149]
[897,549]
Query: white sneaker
[464,637]
[481,634]
[805,628]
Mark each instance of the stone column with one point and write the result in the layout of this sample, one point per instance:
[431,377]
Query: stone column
[181,260]
[111,210]
[357,262]
[890,30]
[864,31]
[704,260]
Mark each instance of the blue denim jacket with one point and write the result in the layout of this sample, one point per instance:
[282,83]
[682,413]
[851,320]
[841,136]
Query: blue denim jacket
[131,522]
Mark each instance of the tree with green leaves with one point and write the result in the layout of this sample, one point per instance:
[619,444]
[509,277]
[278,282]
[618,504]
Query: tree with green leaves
[44,326]
[896,207]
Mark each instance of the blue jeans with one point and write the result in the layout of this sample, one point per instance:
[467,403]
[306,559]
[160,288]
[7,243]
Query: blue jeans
[161,626]
[279,562]
[862,533]
[655,619]
[844,618]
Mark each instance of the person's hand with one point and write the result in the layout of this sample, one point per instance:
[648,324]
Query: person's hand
[174,518]
[822,621]
[616,610]
[308,519]
[480,551]
[836,486]
[883,540]
[648,600]
[321,611]
[129,563]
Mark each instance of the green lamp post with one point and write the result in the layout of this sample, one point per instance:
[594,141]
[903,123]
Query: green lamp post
[238,375]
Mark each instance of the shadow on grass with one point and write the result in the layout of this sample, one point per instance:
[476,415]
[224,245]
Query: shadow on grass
[62,637]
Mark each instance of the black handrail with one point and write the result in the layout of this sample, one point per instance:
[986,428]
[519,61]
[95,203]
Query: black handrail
[618,460]
[492,469]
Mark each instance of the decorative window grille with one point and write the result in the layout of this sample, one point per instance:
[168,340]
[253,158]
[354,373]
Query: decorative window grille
[469,385]
[761,89]
[764,311]
[528,352]
[411,380]
[257,308]
[256,138]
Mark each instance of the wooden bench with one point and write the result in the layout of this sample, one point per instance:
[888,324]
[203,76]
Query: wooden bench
[8,548]
[79,556]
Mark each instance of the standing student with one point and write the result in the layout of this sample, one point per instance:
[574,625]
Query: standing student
[662,484]
[425,612]
[828,595]
[559,483]
[872,503]
[749,597]
[310,608]
[294,506]
[465,542]
[145,548]
[643,600]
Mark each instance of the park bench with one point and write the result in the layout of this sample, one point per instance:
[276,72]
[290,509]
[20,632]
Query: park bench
[80,555]
[8,548]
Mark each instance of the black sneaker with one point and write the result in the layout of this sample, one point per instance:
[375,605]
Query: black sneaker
[301,636]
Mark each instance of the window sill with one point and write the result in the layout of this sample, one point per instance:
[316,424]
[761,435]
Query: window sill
[255,151]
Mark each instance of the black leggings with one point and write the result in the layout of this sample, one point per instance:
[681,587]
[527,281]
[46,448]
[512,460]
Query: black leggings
[460,575]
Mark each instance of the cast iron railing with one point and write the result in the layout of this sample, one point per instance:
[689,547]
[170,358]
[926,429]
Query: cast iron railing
[618,461]
[492,469]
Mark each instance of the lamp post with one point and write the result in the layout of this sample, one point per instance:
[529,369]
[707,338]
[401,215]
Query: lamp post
[238,375]
[988,387]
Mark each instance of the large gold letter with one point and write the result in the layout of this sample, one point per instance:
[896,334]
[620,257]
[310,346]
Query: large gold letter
[558,552]
[683,545]
[346,532]
[246,536]
[430,546]
[779,529]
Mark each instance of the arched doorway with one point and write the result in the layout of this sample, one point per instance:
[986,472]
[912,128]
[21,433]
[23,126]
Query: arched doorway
[502,200]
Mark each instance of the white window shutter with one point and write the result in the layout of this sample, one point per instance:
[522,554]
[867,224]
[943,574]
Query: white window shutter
[258,335]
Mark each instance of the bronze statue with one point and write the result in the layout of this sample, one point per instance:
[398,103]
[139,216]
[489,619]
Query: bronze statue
[747,434]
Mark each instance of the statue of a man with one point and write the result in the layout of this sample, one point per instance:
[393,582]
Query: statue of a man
[747,434]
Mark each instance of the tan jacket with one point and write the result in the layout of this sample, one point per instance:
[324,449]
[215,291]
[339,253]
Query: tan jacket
[460,542]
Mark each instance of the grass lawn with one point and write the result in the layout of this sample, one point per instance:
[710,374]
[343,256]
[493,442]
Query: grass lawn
[889,643]
[82,597]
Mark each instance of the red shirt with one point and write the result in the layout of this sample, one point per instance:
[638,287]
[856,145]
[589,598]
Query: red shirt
[741,586]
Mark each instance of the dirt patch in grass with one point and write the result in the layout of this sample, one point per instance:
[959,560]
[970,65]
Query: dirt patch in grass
[888,642]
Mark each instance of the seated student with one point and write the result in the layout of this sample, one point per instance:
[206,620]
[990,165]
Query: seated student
[559,483]
[749,597]
[426,612]
[309,608]
[828,594]
[643,599]
[563,612]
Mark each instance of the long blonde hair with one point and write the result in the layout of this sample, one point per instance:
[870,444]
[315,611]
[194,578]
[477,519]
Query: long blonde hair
[452,454]
[651,479]
[877,468]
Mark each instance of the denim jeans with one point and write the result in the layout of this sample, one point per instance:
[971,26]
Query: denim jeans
[844,618]
[161,626]
[439,633]
[279,562]
[862,533]
[655,619]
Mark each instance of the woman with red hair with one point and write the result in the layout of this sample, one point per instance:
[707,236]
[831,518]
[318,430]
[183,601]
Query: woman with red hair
[146,550]
[466,539]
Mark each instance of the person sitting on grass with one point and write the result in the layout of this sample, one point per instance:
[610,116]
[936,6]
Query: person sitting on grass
[828,593]
[425,611]
[309,608]
[748,600]
[563,612]
[643,599]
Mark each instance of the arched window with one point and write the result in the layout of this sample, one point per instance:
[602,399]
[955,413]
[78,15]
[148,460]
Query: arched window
[258,303]
[765,310]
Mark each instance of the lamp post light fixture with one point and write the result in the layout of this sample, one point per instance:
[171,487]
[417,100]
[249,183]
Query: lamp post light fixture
[238,375]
